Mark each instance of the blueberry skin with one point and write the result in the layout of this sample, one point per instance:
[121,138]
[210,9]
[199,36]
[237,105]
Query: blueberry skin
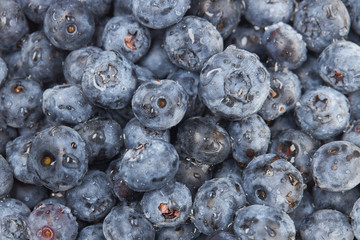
[248,38]
[159,104]
[143,74]
[159,14]
[93,198]
[186,231]
[274,182]
[215,204]
[13,25]
[149,166]
[224,15]
[75,63]
[135,133]
[309,75]
[20,102]
[193,174]
[190,82]
[157,60]
[338,66]
[341,201]
[323,112]
[204,140]
[35,9]
[222,235]
[136,226]
[52,219]
[122,7]
[108,80]
[58,158]
[103,137]
[354,9]
[126,35]
[321,22]
[355,218]
[234,83]
[14,65]
[59,108]
[69,24]
[354,99]
[7,134]
[334,166]
[92,232]
[100,8]
[191,42]
[262,13]
[296,147]
[285,45]
[17,153]
[263,222]
[29,194]
[352,133]
[229,168]
[168,206]
[3,70]
[328,224]
[40,59]
[250,137]
[13,217]
[305,208]
[6,177]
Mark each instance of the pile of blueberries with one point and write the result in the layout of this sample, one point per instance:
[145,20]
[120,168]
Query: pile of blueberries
[179,119]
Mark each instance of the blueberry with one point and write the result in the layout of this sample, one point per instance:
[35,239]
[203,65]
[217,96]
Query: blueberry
[20,102]
[103,137]
[143,74]
[29,194]
[341,201]
[160,104]
[52,221]
[14,65]
[168,206]
[262,13]
[6,177]
[308,74]
[334,166]
[191,42]
[322,112]
[108,80]
[69,24]
[135,133]
[59,108]
[91,232]
[247,38]
[13,219]
[190,82]
[355,218]
[354,10]
[250,137]
[328,224]
[75,63]
[93,199]
[58,158]
[338,66]
[296,147]
[193,174]
[100,8]
[35,9]
[229,168]
[354,99]
[204,140]
[159,14]
[234,83]
[122,7]
[126,35]
[274,182]
[149,166]
[285,45]
[157,61]
[222,235]
[305,208]
[224,15]
[127,224]
[3,71]
[263,222]
[40,59]
[215,204]
[352,133]
[186,231]
[17,153]
[13,25]
[321,22]
[7,134]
